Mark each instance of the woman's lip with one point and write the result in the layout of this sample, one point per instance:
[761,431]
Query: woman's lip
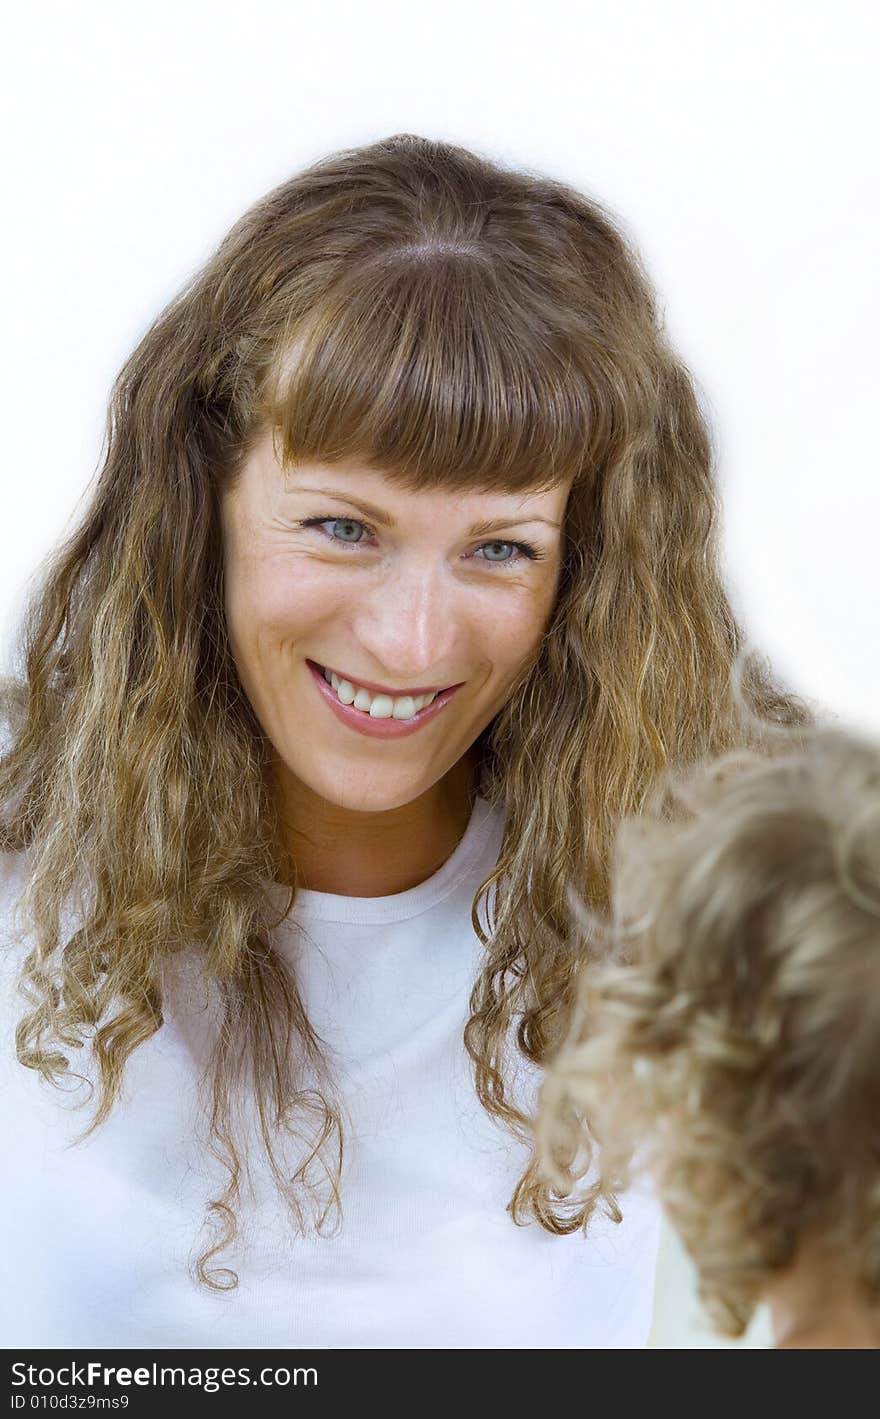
[375,689]
[389,728]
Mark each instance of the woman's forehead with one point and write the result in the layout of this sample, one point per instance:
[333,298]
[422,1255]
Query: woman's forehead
[357,481]
[386,491]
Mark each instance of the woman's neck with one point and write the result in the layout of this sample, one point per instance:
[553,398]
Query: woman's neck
[356,854]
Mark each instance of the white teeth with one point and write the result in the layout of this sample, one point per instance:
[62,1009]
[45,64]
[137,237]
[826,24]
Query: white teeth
[377,706]
[404,708]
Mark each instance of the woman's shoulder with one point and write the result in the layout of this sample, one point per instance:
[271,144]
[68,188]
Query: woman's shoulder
[14,876]
[14,936]
[15,943]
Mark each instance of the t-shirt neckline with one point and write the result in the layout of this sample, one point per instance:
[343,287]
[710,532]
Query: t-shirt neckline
[310,905]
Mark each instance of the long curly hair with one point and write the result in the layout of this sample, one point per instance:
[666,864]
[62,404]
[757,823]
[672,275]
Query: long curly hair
[726,1037]
[456,324]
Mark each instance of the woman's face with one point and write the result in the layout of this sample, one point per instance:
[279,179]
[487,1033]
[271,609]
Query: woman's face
[390,591]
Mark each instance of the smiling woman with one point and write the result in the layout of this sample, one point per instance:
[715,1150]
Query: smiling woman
[409,611]
[303,933]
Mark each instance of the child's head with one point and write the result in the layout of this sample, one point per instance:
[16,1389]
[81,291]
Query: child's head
[729,1039]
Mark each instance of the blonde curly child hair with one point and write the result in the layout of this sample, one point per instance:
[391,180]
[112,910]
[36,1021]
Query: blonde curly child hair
[726,1040]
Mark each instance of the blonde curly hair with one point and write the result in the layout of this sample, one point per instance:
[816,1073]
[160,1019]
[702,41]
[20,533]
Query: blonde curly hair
[726,1040]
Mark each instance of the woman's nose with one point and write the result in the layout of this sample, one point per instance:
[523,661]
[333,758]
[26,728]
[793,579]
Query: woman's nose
[408,625]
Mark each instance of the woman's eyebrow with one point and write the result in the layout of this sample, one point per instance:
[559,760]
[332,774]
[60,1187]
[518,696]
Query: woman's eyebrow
[377,515]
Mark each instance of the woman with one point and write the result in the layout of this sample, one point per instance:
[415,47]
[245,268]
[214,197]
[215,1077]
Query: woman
[735,1041]
[316,941]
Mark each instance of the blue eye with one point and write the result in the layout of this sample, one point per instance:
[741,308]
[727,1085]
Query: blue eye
[488,545]
[521,549]
[345,522]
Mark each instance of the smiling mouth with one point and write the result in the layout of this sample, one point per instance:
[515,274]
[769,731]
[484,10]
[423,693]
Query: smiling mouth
[376,704]
[374,690]
[379,716]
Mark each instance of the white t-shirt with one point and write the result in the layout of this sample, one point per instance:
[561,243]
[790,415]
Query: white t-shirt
[96,1239]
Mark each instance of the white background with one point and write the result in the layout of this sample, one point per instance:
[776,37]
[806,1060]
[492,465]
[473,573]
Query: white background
[736,141]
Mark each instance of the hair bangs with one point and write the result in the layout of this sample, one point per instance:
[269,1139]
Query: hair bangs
[424,368]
